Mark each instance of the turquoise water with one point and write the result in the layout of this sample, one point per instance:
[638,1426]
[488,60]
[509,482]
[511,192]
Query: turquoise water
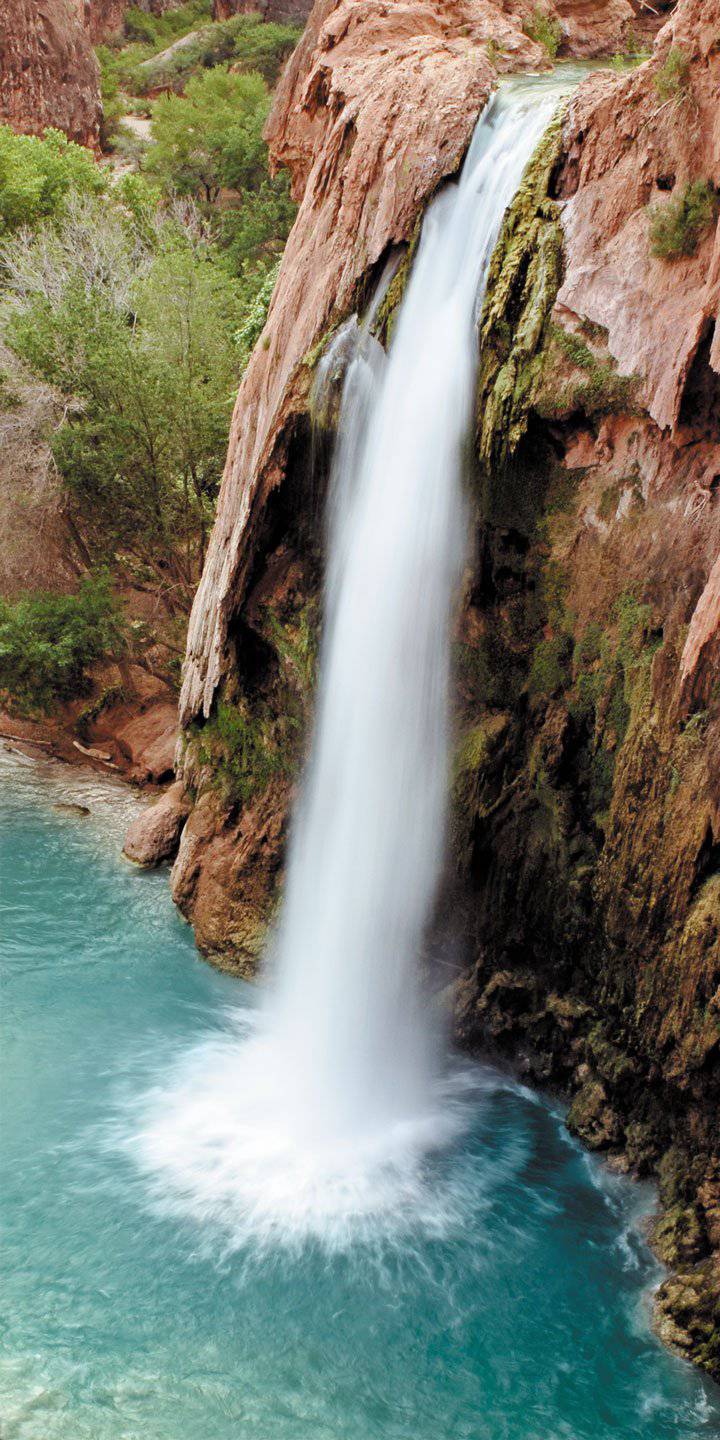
[523,1318]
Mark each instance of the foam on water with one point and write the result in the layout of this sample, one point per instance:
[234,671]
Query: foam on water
[321,1121]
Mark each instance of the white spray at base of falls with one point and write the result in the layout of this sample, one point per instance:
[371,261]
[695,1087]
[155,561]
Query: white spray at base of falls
[316,1119]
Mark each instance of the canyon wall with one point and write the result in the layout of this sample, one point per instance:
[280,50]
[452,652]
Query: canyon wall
[48,73]
[587,787]
[287,11]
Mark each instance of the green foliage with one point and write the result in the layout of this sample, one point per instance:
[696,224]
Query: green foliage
[244,42]
[255,319]
[676,227]
[544,30]
[672,80]
[633,54]
[588,647]
[113,103]
[37,175]
[48,642]
[212,137]
[254,232]
[159,30]
[140,330]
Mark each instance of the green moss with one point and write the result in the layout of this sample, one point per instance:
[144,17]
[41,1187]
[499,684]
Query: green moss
[316,351]
[677,227]
[296,641]
[550,669]
[524,278]
[588,647]
[386,318]
[597,390]
[241,748]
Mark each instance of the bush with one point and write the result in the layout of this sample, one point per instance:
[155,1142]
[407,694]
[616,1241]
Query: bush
[212,137]
[37,175]
[677,226]
[672,80]
[48,642]
[544,30]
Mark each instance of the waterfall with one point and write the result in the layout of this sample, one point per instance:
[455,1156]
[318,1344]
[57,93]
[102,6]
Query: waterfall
[320,1117]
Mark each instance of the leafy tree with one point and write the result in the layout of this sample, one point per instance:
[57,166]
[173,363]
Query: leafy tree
[253,233]
[37,175]
[212,137]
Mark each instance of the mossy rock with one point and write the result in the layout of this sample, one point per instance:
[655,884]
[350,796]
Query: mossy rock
[525,275]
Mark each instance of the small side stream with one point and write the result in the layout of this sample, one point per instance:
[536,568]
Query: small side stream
[525,1316]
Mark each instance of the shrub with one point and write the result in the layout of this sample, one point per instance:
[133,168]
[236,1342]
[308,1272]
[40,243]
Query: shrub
[37,175]
[677,226]
[256,230]
[672,80]
[242,751]
[544,30]
[48,642]
[256,315]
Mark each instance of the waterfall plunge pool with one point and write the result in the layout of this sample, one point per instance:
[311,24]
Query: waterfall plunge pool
[524,1315]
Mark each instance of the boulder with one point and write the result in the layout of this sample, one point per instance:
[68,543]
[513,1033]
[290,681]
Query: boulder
[154,835]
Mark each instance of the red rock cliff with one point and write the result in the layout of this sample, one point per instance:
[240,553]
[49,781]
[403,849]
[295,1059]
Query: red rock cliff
[295,11]
[48,72]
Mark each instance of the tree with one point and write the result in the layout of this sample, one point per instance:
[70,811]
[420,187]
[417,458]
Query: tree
[211,137]
[145,347]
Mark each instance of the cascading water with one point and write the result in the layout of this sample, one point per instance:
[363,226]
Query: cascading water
[318,1119]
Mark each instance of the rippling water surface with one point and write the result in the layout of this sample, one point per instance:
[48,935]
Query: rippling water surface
[511,1304]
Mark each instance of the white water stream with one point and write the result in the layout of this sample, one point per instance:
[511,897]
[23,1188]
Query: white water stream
[317,1117]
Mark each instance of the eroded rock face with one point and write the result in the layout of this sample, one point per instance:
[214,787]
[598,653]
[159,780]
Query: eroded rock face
[48,73]
[590,29]
[630,146]
[104,18]
[225,876]
[289,11]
